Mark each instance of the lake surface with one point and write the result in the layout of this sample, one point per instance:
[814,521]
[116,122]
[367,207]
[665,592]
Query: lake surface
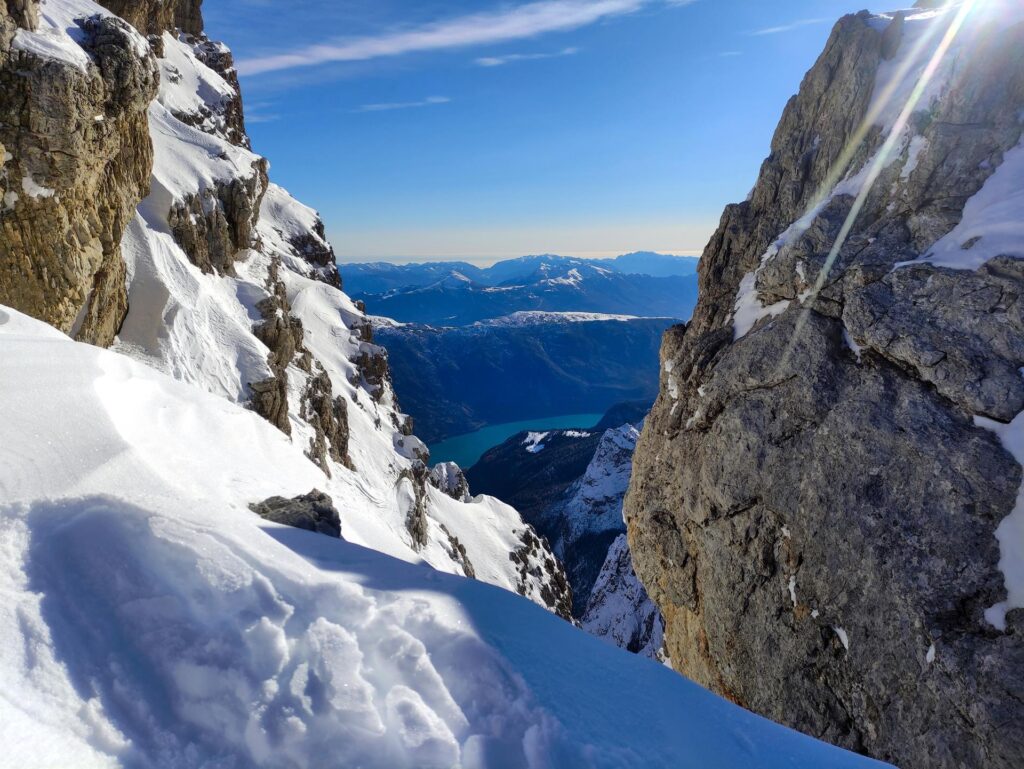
[467,449]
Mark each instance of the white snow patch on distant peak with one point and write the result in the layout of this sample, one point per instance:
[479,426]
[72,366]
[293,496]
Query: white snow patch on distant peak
[540,317]
[929,657]
[534,442]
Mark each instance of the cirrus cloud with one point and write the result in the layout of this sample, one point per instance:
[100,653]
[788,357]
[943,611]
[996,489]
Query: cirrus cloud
[485,28]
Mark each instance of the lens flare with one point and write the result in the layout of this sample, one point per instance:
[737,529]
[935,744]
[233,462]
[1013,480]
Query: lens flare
[884,155]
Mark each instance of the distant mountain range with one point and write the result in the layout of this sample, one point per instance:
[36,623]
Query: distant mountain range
[458,293]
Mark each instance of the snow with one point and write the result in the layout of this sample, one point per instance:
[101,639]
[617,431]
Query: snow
[571,278]
[929,657]
[150,620]
[35,190]
[58,36]
[593,504]
[187,86]
[852,345]
[749,309]
[534,442]
[792,589]
[992,223]
[844,638]
[917,145]
[52,43]
[541,317]
[1011,530]
[897,78]
[198,328]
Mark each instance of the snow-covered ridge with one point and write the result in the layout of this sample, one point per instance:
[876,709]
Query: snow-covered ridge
[539,317]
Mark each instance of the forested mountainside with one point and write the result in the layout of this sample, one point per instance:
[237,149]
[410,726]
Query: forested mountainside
[525,366]
[826,499]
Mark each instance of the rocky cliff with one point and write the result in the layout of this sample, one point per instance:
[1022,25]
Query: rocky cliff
[76,154]
[825,501]
[135,215]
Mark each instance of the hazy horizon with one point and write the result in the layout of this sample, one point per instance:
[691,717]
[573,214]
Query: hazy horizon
[487,260]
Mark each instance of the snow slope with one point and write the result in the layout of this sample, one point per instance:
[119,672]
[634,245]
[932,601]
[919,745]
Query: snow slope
[150,620]
[199,327]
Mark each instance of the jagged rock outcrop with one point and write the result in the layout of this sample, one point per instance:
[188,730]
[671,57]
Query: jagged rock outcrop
[449,478]
[535,561]
[76,158]
[817,492]
[215,224]
[282,334]
[416,521]
[328,415]
[152,17]
[313,512]
[227,115]
[24,13]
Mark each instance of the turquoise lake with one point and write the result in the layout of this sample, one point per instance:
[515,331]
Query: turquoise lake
[467,449]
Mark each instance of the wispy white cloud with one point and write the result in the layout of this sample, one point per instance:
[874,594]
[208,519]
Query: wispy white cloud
[430,101]
[728,54]
[788,27]
[499,61]
[505,25]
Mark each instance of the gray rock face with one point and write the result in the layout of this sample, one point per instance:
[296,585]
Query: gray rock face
[76,158]
[813,505]
[313,512]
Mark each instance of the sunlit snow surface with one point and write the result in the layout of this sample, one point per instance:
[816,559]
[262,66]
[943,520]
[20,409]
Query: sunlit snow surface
[150,620]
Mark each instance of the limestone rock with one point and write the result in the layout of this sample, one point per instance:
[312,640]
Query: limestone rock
[449,478]
[76,160]
[213,226]
[313,512]
[813,504]
[155,16]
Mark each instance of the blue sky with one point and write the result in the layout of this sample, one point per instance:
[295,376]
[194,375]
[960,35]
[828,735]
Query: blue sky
[483,130]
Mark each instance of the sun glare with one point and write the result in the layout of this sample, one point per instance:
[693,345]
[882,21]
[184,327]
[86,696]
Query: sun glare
[979,10]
